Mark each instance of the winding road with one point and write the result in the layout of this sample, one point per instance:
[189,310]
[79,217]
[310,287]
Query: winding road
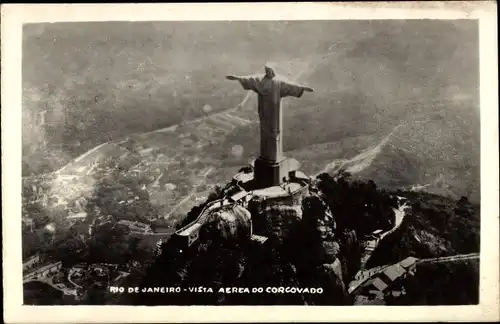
[399,216]
[71,271]
[363,274]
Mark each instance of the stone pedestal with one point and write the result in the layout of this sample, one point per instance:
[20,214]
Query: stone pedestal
[270,173]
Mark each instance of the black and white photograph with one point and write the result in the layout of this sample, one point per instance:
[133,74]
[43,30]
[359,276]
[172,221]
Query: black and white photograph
[251,162]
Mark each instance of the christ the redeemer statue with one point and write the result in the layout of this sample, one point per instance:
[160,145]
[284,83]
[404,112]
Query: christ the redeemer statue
[270,167]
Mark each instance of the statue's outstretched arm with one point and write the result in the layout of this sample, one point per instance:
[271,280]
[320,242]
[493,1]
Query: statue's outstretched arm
[307,89]
[293,90]
[248,83]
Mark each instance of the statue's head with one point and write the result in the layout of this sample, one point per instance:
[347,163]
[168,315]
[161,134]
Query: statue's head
[269,71]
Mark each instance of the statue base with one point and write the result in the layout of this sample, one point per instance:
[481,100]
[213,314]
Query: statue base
[270,173]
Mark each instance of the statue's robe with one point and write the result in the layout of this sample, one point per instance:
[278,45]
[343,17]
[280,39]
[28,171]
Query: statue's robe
[270,91]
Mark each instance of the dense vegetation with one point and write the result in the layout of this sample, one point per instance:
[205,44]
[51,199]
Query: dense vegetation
[115,197]
[357,205]
[110,243]
[359,208]
[38,293]
[121,196]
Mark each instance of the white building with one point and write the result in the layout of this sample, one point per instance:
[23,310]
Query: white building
[77,216]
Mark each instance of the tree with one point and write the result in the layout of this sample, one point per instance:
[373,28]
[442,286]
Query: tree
[216,193]
[133,245]
[246,169]
[39,214]
[70,251]
[342,175]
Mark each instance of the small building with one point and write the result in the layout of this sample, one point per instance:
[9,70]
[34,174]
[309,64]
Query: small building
[101,270]
[259,239]
[289,193]
[371,245]
[157,250]
[77,216]
[31,261]
[376,284]
[374,287]
[136,226]
[374,235]
[190,234]
[28,222]
[409,262]
[393,272]
[363,300]
[298,175]
[238,196]
[42,271]
[146,151]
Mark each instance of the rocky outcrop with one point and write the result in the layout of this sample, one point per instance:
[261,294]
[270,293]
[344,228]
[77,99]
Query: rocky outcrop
[281,222]
[330,251]
[230,223]
[298,248]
